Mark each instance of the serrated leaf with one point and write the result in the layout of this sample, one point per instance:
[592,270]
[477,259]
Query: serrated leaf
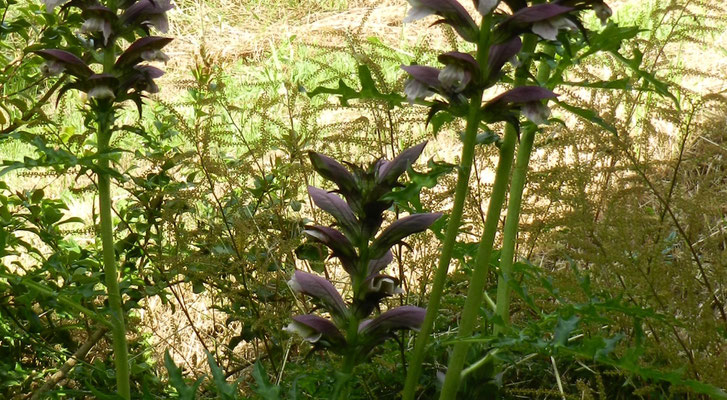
[264,388]
[590,115]
[368,90]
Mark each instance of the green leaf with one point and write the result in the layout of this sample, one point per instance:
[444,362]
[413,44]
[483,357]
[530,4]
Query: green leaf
[589,115]
[186,392]
[409,196]
[619,84]
[564,329]
[610,39]
[226,390]
[264,387]
[368,90]
[660,87]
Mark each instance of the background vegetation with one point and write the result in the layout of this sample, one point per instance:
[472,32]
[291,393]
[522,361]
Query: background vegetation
[624,239]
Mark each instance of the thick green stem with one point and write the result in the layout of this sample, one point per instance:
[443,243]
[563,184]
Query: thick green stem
[511,224]
[484,250]
[512,219]
[344,376]
[118,328]
[455,217]
[105,116]
[479,275]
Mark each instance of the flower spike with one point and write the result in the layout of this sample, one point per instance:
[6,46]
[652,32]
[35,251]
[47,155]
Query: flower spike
[320,289]
[452,13]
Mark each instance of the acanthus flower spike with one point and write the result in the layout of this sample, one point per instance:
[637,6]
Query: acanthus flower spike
[404,317]
[400,229]
[390,171]
[98,19]
[485,7]
[333,171]
[460,69]
[317,330]
[545,20]
[102,86]
[375,266]
[337,242]
[602,10]
[320,289]
[61,60]
[144,49]
[338,208]
[526,98]
[452,13]
[500,54]
[148,13]
[423,82]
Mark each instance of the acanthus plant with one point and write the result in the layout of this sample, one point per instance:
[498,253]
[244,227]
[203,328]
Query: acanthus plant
[458,90]
[111,66]
[364,251]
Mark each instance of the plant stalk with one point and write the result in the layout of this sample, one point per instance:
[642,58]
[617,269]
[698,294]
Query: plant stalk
[484,250]
[116,309]
[455,217]
[512,219]
[479,275]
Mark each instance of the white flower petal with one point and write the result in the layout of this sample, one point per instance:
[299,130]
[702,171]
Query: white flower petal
[451,75]
[160,22]
[304,331]
[486,6]
[535,112]
[417,12]
[52,4]
[294,285]
[563,23]
[154,55]
[93,24]
[545,30]
[315,234]
[52,68]
[603,12]
[413,89]
[101,92]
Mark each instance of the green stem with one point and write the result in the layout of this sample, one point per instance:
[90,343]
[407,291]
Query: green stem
[512,220]
[105,117]
[484,250]
[455,217]
[344,376]
[118,328]
[479,275]
[350,359]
